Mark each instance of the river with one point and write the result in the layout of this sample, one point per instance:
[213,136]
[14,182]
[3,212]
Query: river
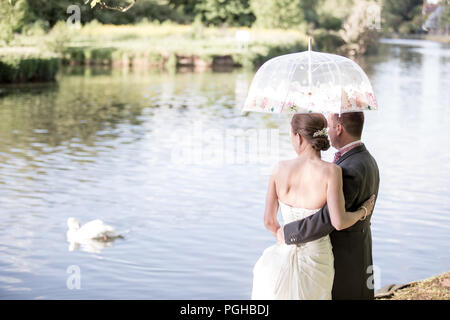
[163,158]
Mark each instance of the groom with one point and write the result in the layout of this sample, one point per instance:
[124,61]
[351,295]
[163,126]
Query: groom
[352,247]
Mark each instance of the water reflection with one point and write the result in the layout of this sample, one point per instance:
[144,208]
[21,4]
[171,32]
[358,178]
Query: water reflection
[101,143]
[91,245]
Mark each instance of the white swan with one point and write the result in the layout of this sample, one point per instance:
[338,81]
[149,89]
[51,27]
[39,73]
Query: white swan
[92,230]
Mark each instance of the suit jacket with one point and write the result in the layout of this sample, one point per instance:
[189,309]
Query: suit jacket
[352,247]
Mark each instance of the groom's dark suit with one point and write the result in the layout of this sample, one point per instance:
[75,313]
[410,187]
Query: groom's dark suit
[352,247]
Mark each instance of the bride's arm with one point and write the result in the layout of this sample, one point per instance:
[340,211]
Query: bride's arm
[340,219]
[271,210]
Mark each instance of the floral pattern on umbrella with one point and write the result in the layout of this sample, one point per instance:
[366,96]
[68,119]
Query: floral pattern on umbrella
[332,84]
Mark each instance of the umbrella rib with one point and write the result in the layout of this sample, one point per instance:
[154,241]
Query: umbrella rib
[291,72]
[340,77]
[331,72]
[274,72]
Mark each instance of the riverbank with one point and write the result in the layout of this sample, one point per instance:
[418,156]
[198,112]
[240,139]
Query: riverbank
[27,65]
[166,46]
[430,37]
[162,46]
[434,288]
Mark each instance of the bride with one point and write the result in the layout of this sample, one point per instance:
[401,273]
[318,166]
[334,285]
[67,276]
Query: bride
[300,187]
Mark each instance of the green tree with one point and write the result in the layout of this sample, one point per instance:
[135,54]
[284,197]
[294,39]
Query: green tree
[402,15]
[185,6]
[232,12]
[53,11]
[278,14]
[444,19]
[13,16]
[309,8]
[117,5]
[358,32]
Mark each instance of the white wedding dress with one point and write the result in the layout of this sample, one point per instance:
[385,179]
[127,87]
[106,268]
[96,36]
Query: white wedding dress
[286,272]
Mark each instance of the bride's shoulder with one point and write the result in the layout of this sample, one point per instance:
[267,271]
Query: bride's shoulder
[281,166]
[331,168]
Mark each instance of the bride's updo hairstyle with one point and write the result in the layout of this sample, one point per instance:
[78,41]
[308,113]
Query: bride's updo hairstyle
[312,127]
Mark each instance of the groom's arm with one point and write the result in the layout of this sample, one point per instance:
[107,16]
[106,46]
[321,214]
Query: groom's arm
[309,229]
[319,224]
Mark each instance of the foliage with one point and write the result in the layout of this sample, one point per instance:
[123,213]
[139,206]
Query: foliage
[402,15]
[59,37]
[53,11]
[278,14]
[327,41]
[359,32]
[113,5]
[336,8]
[171,63]
[15,68]
[187,7]
[329,22]
[197,28]
[143,9]
[309,8]
[13,16]
[413,26]
[444,19]
[37,28]
[231,12]
[398,15]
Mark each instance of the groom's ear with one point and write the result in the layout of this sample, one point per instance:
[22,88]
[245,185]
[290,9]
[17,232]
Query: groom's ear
[339,129]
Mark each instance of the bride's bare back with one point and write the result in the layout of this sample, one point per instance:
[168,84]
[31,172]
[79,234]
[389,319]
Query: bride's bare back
[303,183]
[308,182]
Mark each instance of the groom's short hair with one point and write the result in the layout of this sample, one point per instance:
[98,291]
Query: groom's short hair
[353,122]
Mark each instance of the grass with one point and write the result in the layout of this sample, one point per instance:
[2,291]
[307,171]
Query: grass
[153,45]
[434,288]
[159,44]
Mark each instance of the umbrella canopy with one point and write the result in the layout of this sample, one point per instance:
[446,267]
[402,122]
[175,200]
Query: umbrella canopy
[310,81]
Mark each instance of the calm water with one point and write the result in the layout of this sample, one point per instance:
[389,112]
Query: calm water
[161,158]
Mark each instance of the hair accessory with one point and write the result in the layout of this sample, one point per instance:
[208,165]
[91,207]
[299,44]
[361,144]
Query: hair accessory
[321,133]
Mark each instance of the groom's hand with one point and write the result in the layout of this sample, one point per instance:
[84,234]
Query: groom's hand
[280,235]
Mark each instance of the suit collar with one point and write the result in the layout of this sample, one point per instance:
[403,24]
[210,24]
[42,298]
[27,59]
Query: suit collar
[351,152]
[348,146]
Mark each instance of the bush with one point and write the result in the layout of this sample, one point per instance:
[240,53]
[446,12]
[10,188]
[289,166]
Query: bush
[278,14]
[398,12]
[21,69]
[59,37]
[231,12]
[12,18]
[171,63]
[444,19]
[38,28]
[358,33]
[150,9]
[327,41]
[329,22]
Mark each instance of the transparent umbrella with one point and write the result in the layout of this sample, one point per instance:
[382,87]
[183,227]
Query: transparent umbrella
[310,81]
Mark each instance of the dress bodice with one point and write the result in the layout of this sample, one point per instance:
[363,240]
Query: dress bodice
[291,214]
